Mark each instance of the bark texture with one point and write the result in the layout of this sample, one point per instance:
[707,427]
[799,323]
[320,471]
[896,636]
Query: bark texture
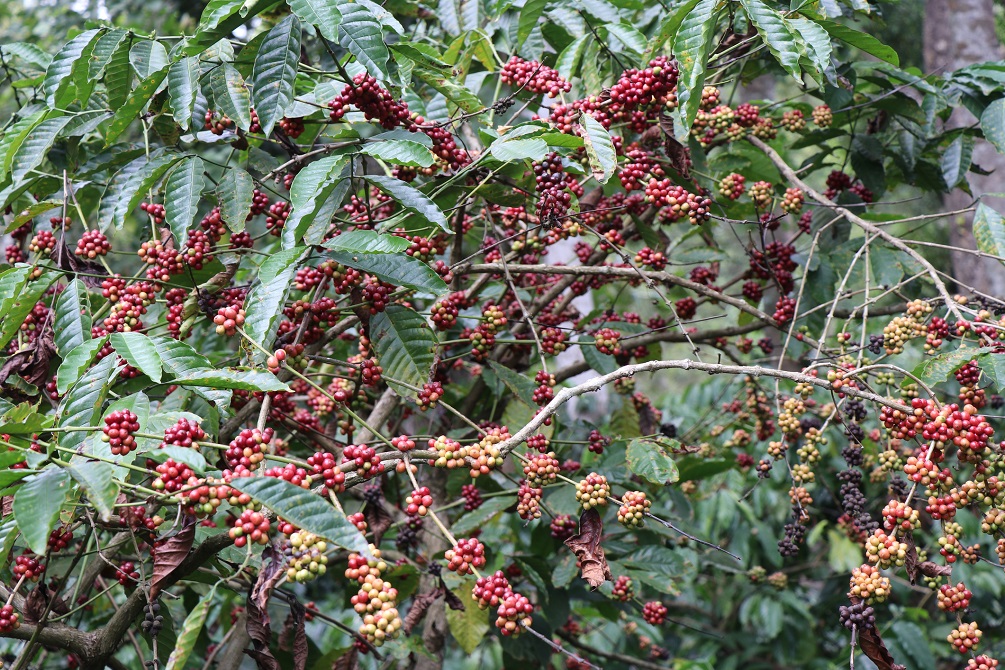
[958,33]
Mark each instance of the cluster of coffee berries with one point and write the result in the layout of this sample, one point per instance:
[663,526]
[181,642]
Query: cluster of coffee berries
[562,527]
[623,589]
[250,526]
[228,320]
[822,116]
[9,619]
[884,550]
[155,211]
[367,95]
[118,431]
[375,600]
[419,502]
[127,574]
[217,122]
[732,186]
[245,450]
[27,566]
[364,458]
[153,620]
[466,556]
[429,395]
[593,491]
[654,612]
[607,340]
[528,501]
[305,556]
[869,585]
[965,637]
[541,469]
[513,614]
[632,512]
[954,598]
[92,244]
[184,433]
[534,77]
[449,453]
[857,615]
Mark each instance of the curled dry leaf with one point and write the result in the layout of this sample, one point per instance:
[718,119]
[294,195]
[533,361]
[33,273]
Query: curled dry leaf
[293,638]
[378,519]
[273,562]
[420,604]
[586,546]
[260,632]
[453,602]
[89,272]
[347,661]
[34,604]
[169,555]
[679,155]
[872,646]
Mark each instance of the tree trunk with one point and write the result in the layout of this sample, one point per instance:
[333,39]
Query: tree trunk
[958,33]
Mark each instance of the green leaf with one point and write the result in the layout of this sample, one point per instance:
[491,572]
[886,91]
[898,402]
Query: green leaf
[361,34]
[130,185]
[148,57]
[118,76]
[367,242]
[518,149]
[479,517]
[322,14]
[72,325]
[309,192]
[446,84]
[276,71]
[397,269]
[35,146]
[399,152]
[139,352]
[178,358]
[182,192]
[993,124]
[16,310]
[411,199]
[530,14]
[993,367]
[668,29]
[305,510]
[569,59]
[58,84]
[599,362]
[956,160]
[937,369]
[85,122]
[105,50]
[183,89]
[82,405]
[629,37]
[989,230]
[30,53]
[216,12]
[37,503]
[12,138]
[818,43]
[230,94]
[470,625]
[235,193]
[97,478]
[189,633]
[8,533]
[522,387]
[137,100]
[248,380]
[599,148]
[265,302]
[776,34]
[691,45]
[866,43]
[406,347]
[75,362]
[651,460]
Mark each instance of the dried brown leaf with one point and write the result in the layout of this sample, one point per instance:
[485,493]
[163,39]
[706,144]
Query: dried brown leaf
[300,649]
[32,362]
[272,570]
[453,602]
[89,272]
[911,559]
[679,155]
[586,546]
[34,604]
[257,623]
[420,604]
[378,519]
[930,569]
[872,646]
[347,661]
[169,555]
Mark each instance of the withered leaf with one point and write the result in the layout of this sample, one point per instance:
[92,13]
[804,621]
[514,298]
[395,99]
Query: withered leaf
[679,155]
[872,646]
[169,555]
[420,604]
[453,602]
[347,661]
[930,569]
[34,604]
[586,546]
[32,362]
[911,559]
[257,624]
[271,572]
[89,272]
[378,519]
[299,613]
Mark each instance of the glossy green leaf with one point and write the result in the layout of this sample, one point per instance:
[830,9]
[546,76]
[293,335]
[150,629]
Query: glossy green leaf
[97,478]
[866,43]
[191,628]
[530,14]
[59,76]
[134,104]
[265,302]
[411,199]
[118,76]
[322,14]
[362,35]
[456,93]
[599,148]
[8,534]
[938,368]
[406,347]
[178,358]
[993,124]
[139,352]
[75,362]
[651,459]
[668,29]
[37,503]
[104,50]
[16,310]
[35,145]
[956,159]
[276,71]
[781,41]
[818,42]
[519,149]
[691,46]
[129,186]
[248,380]
[72,325]
[470,625]
[989,230]
[399,152]
[183,89]
[367,242]
[309,192]
[397,269]
[182,193]
[82,405]
[235,193]
[28,52]
[85,122]
[147,57]
[521,386]
[12,138]
[230,94]
[305,510]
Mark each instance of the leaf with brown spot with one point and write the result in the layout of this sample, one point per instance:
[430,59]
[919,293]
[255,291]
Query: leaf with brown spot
[872,646]
[420,604]
[586,546]
[7,503]
[169,555]
[271,572]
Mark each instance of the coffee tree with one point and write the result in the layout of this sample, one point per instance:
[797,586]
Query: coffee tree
[295,305]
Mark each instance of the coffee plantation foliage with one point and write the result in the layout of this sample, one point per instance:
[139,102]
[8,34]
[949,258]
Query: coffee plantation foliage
[295,304]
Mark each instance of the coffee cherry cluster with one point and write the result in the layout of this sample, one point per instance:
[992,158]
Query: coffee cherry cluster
[43,242]
[450,453]
[528,501]
[292,474]
[869,585]
[126,573]
[228,320]
[184,433]
[857,615]
[761,193]
[793,121]
[732,186]
[654,612]
[9,619]
[792,201]
[305,556]
[541,469]
[954,598]
[822,116]
[172,476]
[92,244]
[466,556]
[562,527]
[429,395]
[785,310]
[59,539]
[513,614]
[364,458]
[534,77]
[554,199]
[326,468]
[250,526]
[982,662]
[965,637]
[245,450]
[623,589]
[403,443]
[607,340]
[27,565]
[368,96]
[472,497]
[490,591]
[153,620]
[593,491]
[293,128]
[217,123]
[419,502]
[884,550]
[155,211]
[118,431]
[653,85]
[632,511]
